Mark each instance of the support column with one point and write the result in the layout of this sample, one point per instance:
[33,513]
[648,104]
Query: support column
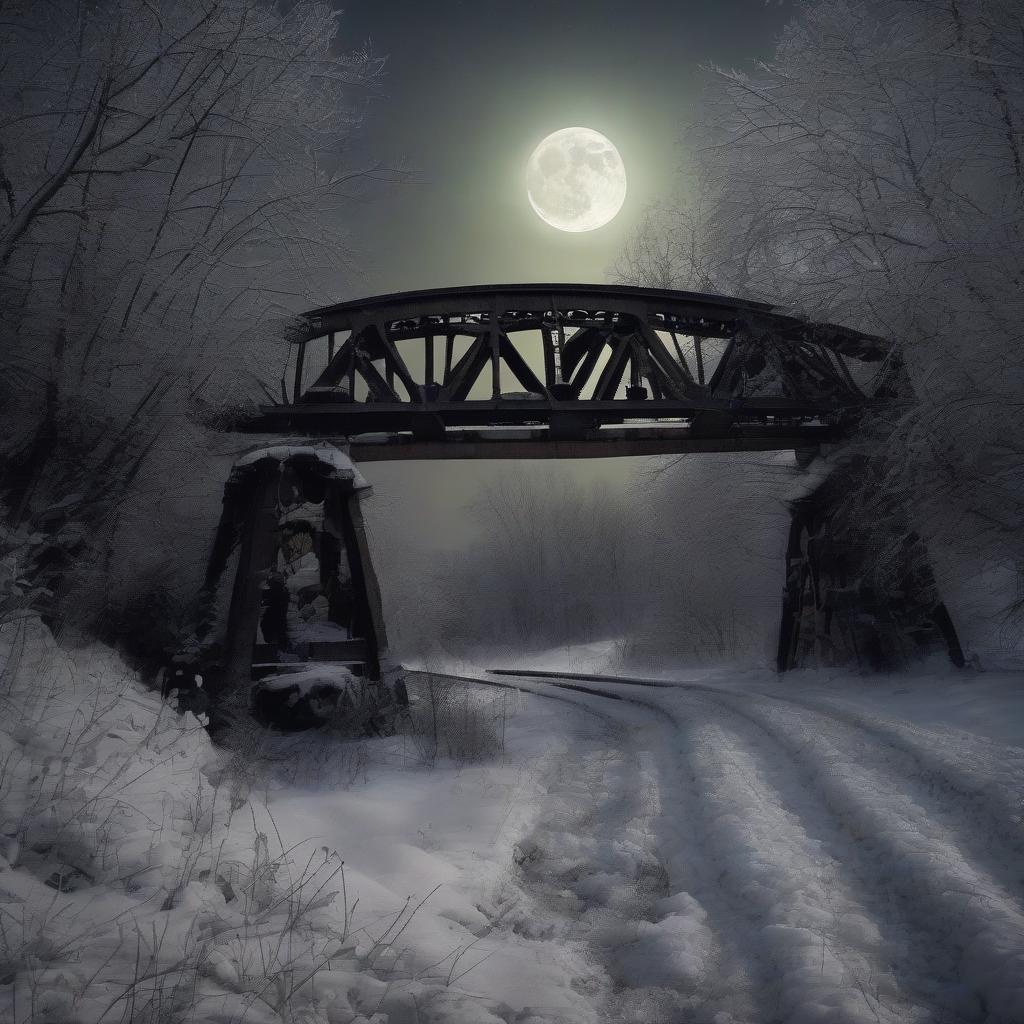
[853,597]
[236,499]
[256,495]
[345,516]
[256,557]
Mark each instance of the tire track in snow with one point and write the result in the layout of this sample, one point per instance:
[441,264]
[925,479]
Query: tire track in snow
[822,954]
[893,956]
[826,950]
[738,861]
[987,817]
[749,971]
[666,960]
[696,965]
[994,807]
[594,866]
[962,916]
[913,858]
[608,916]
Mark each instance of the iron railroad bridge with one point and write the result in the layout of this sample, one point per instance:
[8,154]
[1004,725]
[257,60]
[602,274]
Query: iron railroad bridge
[570,371]
[549,371]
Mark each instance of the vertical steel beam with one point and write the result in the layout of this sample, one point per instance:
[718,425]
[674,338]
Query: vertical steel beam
[494,340]
[344,515]
[558,345]
[792,593]
[300,359]
[548,344]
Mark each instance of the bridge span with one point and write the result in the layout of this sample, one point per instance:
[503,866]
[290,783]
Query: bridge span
[570,371]
[551,371]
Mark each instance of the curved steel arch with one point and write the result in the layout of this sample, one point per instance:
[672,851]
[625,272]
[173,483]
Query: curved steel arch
[570,369]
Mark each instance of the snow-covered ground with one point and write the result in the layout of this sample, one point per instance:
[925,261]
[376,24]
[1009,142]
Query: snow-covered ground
[719,847]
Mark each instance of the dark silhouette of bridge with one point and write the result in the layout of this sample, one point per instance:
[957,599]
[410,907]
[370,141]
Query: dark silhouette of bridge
[552,371]
[570,371]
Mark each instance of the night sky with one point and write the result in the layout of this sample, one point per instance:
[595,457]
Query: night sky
[470,89]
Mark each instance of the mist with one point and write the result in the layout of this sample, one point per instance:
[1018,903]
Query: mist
[669,557]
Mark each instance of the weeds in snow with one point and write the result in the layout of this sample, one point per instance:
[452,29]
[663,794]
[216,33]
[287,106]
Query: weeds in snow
[450,718]
[138,880]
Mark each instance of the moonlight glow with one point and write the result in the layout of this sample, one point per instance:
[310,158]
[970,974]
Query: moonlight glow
[575,180]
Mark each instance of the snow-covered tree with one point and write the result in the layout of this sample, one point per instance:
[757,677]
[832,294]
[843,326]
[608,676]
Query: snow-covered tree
[873,174]
[172,176]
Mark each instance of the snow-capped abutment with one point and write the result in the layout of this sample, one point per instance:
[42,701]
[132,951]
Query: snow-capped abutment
[304,588]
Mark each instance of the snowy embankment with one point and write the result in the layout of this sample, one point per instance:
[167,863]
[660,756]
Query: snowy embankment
[716,848]
[138,881]
[147,876]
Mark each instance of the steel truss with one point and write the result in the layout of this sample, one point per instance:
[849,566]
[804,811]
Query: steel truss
[560,370]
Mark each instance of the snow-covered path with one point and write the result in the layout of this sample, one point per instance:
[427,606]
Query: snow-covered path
[719,847]
[723,855]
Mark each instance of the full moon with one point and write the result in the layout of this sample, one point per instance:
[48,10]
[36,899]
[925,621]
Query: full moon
[575,180]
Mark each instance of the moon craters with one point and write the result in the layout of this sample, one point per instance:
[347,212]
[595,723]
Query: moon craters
[575,180]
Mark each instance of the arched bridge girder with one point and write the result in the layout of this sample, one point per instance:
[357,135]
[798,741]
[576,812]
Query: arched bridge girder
[449,373]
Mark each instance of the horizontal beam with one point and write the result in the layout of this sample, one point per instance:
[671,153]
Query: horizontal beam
[400,449]
[706,329]
[340,418]
[442,301]
[336,651]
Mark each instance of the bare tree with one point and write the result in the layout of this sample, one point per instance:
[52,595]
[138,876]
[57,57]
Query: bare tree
[173,181]
[671,247]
